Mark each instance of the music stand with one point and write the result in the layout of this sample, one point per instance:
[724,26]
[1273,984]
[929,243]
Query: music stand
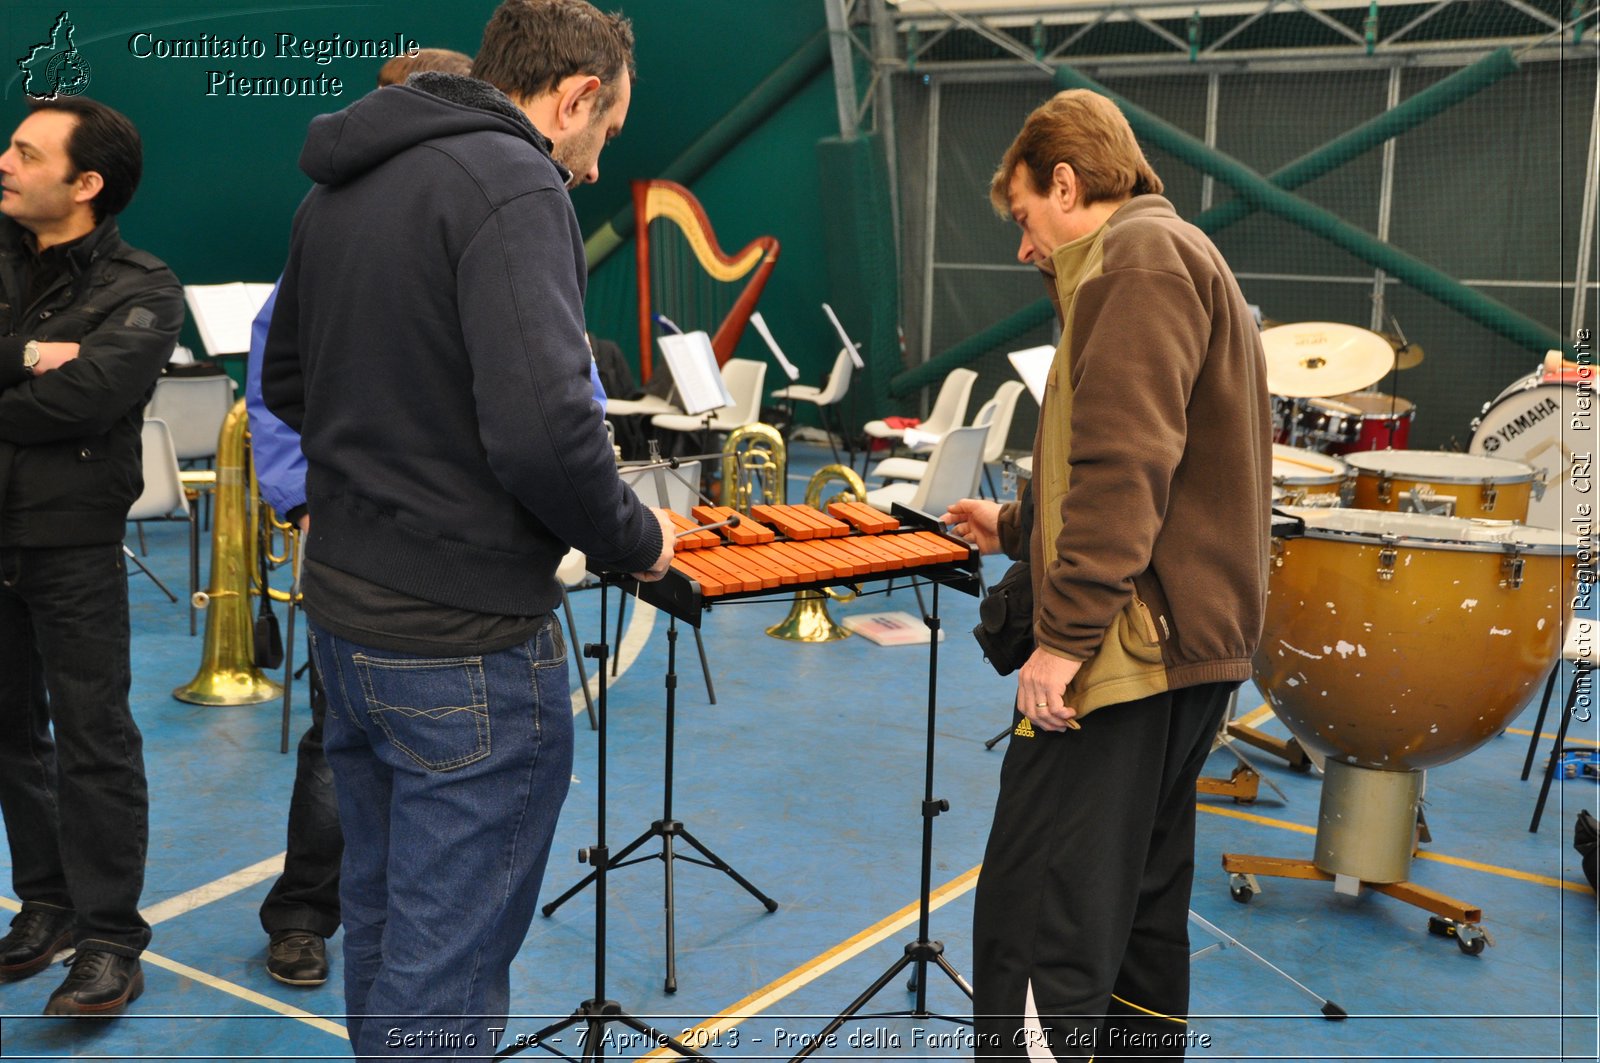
[923,951]
[597,1012]
[849,417]
[666,828]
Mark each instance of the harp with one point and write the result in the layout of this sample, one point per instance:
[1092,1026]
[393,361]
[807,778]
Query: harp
[685,275]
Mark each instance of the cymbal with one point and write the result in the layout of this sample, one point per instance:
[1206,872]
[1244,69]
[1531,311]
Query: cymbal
[1315,359]
[1406,355]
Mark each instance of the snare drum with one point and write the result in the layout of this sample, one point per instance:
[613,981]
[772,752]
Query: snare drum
[1399,641]
[1326,424]
[1384,422]
[1530,421]
[1441,483]
[1306,477]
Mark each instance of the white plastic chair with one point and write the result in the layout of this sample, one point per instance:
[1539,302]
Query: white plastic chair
[193,408]
[744,379]
[673,489]
[949,409]
[824,398]
[952,474]
[996,415]
[163,498]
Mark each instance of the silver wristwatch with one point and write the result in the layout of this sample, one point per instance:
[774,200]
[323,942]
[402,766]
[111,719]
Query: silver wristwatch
[30,355]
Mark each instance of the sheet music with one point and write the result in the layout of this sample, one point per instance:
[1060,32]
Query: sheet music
[787,366]
[1033,366]
[694,372]
[849,344]
[224,312]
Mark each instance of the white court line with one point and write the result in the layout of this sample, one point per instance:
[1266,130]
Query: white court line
[226,886]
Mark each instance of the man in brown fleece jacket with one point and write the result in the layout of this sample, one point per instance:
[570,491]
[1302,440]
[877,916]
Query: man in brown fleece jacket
[1148,550]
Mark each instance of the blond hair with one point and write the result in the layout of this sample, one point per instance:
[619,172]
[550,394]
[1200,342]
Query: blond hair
[1085,130]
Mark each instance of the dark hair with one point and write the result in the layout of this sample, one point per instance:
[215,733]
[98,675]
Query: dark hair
[104,142]
[443,60]
[529,46]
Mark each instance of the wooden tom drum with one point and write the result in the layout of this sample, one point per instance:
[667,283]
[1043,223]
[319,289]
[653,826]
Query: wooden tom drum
[1399,641]
[1306,477]
[1441,483]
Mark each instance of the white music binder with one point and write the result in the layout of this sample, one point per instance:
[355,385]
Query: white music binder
[695,373]
[224,313]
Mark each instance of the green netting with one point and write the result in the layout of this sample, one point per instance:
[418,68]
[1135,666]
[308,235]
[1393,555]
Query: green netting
[862,270]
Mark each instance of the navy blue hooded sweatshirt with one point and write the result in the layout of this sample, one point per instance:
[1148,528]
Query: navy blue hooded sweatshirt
[428,345]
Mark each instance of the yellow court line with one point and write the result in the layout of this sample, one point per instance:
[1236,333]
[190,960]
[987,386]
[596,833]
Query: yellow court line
[1547,736]
[1251,817]
[1255,715]
[248,995]
[1456,861]
[239,991]
[808,972]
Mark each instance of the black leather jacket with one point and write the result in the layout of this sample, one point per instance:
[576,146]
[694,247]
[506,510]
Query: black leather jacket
[70,461]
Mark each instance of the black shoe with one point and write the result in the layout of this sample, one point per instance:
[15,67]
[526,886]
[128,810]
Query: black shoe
[298,957]
[100,984]
[37,934]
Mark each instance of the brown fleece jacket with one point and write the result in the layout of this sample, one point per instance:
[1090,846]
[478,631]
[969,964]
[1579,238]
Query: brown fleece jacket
[1158,412]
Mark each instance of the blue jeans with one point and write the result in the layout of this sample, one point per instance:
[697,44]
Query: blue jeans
[72,783]
[450,773]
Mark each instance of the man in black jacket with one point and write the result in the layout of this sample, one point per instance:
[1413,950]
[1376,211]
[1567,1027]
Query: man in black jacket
[428,345]
[86,323]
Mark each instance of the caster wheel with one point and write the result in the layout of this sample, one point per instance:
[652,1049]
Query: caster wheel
[1241,889]
[1471,946]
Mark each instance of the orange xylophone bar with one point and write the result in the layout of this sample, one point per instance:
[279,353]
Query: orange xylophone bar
[769,565]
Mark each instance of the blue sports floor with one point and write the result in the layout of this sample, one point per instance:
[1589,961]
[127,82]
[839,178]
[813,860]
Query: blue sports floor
[807,777]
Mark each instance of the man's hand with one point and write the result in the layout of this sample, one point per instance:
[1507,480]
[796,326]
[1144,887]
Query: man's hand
[663,562]
[305,524]
[977,521]
[1041,690]
[54,356]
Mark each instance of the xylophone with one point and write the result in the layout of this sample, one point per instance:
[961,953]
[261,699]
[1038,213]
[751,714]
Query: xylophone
[795,548]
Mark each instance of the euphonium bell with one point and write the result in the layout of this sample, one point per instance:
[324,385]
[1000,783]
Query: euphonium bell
[228,674]
[808,619]
[754,456]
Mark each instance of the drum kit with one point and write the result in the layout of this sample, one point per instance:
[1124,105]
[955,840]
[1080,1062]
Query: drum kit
[1414,598]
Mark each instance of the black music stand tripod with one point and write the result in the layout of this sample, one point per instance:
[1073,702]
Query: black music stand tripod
[594,1014]
[923,951]
[666,828]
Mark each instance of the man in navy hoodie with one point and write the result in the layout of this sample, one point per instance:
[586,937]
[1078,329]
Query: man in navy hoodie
[428,345]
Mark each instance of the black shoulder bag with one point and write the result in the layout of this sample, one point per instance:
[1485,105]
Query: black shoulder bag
[1005,616]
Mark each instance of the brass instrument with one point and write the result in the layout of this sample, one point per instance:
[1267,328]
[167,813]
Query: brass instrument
[808,619]
[754,455]
[228,674]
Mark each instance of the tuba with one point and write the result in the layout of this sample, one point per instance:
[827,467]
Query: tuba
[228,674]
[754,456]
[808,619]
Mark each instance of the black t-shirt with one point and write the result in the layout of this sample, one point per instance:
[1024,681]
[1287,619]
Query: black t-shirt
[385,619]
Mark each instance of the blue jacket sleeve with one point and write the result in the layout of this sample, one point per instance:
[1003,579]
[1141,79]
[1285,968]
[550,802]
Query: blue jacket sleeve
[280,467]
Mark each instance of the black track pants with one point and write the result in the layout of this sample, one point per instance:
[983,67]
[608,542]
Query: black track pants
[1080,922]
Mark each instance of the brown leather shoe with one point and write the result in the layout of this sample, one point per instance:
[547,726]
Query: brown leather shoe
[100,985]
[37,934]
[298,957]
